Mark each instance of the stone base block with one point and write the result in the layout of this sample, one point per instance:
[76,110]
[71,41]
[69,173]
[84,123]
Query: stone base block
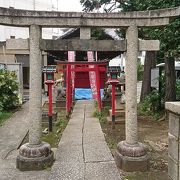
[34,164]
[106,103]
[119,120]
[131,164]
[34,158]
[59,109]
[61,103]
[46,105]
[173,169]
[131,158]
[45,117]
[118,113]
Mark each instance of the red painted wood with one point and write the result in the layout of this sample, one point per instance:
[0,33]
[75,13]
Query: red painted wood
[113,99]
[68,89]
[98,88]
[49,84]
[82,80]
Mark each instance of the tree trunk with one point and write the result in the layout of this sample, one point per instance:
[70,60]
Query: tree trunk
[150,62]
[170,80]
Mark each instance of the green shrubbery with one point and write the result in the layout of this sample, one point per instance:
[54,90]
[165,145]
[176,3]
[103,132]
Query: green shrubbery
[178,90]
[139,71]
[102,116]
[8,90]
[150,106]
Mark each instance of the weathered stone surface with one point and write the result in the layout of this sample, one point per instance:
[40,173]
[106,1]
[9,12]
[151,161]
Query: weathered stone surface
[60,103]
[131,85]
[97,152]
[65,19]
[173,169]
[22,44]
[130,164]
[35,100]
[85,33]
[173,107]
[35,155]
[68,153]
[173,147]
[118,113]
[150,45]
[82,152]
[102,171]
[83,45]
[33,151]
[131,150]
[118,120]
[130,154]
[67,171]
[45,117]
[36,164]
[174,123]
[174,140]
[12,132]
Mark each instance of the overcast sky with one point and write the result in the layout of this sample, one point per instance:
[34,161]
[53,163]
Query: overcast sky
[68,5]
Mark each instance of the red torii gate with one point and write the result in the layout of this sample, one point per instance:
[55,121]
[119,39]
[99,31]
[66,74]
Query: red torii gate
[82,66]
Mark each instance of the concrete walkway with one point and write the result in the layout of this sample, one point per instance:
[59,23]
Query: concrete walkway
[82,152]
[11,135]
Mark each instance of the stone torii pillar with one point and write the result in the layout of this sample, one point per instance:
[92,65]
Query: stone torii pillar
[35,155]
[131,155]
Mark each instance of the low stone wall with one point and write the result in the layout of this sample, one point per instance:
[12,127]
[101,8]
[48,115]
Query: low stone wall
[174,140]
[61,103]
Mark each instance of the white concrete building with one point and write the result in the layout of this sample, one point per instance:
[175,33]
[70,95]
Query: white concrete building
[16,32]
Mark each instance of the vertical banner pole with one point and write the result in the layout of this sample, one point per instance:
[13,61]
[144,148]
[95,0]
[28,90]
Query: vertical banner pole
[113,106]
[68,80]
[71,58]
[94,79]
[50,106]
[98,87]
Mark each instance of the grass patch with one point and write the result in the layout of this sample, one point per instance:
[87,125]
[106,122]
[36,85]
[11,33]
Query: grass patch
[58,128]
[111,142]
[4,116]
[102,116]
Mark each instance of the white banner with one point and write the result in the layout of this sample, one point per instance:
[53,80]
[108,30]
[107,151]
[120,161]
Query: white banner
[92,75]
[71,58]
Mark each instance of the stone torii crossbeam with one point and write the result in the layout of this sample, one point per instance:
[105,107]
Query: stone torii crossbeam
[130,155]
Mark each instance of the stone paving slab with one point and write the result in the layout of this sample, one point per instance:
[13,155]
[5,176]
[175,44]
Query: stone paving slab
[101,171]
[67,171]
[11,135]
[13,130]
[82,152]
[67,153]
[97,152]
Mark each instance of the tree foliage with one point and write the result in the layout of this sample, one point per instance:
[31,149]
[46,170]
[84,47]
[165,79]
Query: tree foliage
[169,35]
[8,90]
[106,5]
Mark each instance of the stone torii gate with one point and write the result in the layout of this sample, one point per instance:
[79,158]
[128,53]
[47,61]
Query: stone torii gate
[130,154]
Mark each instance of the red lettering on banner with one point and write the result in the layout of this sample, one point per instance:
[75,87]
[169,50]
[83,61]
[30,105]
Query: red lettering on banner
[92,75]
[71,58]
